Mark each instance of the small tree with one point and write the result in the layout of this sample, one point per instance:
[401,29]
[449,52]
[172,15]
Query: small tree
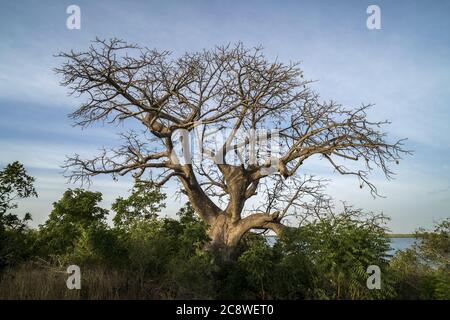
[145,202]
[222,92]
[423,271]
[341,247]
[435,245]
[15,184]
[74,213]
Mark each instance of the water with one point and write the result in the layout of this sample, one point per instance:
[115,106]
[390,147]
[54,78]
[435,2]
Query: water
[396,243]
[401,244]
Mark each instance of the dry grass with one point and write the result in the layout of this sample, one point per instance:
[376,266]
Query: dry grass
[36,282]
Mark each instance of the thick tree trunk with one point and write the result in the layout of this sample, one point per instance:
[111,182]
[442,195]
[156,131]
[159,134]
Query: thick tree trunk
[225,233]
[225,236]
[226,227]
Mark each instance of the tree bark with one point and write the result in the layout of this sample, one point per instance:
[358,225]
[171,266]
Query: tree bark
[227,227]
[225,233]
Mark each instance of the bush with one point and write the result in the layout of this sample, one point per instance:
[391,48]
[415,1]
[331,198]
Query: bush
[16,240]
[146,256]
[423,272]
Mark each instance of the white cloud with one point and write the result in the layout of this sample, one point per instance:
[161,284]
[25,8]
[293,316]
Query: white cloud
[27,76]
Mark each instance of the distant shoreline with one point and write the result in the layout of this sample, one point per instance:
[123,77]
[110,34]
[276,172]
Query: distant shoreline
[402,235]
[389,235]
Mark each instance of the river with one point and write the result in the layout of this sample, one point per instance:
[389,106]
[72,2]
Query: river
[396,243]
[401,244]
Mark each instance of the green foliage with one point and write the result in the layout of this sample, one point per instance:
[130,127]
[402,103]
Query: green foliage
[145,202]
[15,184]
[70,218]
[144,255]
[258,263]
[193,238]
[16,241]
[441,285]
[423,271]
[153,243]
[341,248]
[99,245]
[191,277]
[326,259]
[171,251]
[435,245]
[149,247]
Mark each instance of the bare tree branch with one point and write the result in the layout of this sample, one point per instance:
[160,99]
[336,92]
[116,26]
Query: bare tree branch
[225,91]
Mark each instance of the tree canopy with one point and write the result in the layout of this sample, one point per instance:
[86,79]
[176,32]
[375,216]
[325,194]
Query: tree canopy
[233,100]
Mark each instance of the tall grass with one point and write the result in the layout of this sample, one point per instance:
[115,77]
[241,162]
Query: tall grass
[30,281]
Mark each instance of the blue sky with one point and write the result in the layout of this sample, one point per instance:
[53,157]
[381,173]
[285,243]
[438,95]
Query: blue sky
[404,69]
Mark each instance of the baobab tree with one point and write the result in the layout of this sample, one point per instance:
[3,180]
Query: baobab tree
[229,89]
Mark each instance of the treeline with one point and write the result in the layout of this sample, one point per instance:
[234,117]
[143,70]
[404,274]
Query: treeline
[146,256]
